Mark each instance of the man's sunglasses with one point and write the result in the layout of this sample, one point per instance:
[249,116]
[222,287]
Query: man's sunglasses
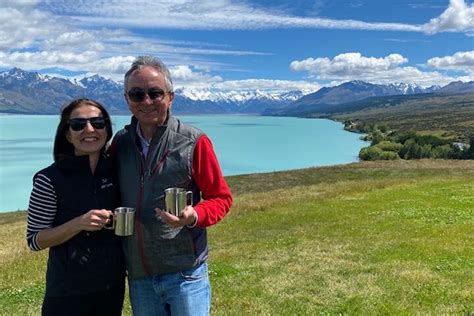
[79,123]
[138,94]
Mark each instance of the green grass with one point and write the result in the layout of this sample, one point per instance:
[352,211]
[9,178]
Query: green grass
[366,238]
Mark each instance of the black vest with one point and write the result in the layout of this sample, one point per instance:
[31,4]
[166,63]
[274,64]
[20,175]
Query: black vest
[90,261]
[155,248]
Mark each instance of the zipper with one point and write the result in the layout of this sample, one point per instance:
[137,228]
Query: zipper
[138,227]
[159,163]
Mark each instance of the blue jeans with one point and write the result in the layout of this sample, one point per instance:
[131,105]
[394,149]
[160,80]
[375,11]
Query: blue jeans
[186,292]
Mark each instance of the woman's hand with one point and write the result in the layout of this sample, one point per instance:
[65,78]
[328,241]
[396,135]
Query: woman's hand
[188,217]
[94,220]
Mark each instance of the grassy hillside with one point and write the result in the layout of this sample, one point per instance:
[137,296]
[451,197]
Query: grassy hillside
[448,116]
[365,238]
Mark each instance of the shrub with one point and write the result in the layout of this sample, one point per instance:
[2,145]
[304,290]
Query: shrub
[389,146]
[410,150]
[443,152]
[403,137]
[425,151]
[375,153]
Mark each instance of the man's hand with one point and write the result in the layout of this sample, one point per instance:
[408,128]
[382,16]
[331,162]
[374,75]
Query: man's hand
[188,217]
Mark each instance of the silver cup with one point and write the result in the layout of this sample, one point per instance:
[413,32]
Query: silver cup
[176,200]
[123,221]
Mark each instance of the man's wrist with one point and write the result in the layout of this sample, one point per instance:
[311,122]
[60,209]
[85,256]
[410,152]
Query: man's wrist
[194,223]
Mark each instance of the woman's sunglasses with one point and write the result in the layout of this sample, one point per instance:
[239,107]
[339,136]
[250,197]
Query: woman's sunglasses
[138,94]
[79,123]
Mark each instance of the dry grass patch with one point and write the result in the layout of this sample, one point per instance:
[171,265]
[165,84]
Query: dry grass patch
[11,246]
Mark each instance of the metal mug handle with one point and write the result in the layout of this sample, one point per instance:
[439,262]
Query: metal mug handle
[190,201]
[111,223]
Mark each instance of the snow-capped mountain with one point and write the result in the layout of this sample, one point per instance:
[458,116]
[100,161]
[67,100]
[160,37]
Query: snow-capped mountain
[357,94]
[32,93]
[28,92]
[232,101]
[409,88]
[239,97]
[353,91]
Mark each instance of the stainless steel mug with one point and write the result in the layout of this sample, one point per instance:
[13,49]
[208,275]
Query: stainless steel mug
[176,200]
[123,221]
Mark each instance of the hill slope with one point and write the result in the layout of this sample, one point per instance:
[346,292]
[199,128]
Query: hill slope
[367,238]
[448,116]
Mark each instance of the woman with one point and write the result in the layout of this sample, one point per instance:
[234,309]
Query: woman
[70,203]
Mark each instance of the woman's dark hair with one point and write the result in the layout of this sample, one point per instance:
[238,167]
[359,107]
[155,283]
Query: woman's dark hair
[62,147]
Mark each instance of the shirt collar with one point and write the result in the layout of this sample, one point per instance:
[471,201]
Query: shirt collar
[145,143]
[142,138]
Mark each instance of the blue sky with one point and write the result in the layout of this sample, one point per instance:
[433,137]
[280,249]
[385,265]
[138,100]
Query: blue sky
[245,45]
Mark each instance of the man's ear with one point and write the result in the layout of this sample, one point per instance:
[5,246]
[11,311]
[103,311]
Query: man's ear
[126,100]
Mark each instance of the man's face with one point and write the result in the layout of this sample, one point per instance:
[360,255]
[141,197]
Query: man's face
[145,98]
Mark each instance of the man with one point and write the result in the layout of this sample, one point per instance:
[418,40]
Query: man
[167,255]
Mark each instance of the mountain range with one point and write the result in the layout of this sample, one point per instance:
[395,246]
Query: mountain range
[344,96]
[25,92]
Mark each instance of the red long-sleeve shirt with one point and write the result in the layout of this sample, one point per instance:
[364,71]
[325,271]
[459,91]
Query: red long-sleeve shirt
[217,198]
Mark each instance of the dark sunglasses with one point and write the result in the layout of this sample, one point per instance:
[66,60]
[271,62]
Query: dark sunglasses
[79,123]
[138,94]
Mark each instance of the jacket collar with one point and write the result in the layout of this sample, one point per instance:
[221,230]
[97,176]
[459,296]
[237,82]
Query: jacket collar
[80,164]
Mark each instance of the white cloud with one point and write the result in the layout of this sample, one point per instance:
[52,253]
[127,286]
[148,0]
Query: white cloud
[23,27]
[425,6]
[74,40]
[458,17]
[112,67]
[51,34]
[184,76]
[19,3]
[268,85]
[226,14]
[49,26]
[347,65]
[204,14]
[50,23]
[460,61]
[53,58]
[188,78]
[354,66]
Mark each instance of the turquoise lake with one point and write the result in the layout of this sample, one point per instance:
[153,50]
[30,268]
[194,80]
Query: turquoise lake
[243,144]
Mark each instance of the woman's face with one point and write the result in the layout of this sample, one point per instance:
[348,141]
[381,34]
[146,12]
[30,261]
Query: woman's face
[88,140]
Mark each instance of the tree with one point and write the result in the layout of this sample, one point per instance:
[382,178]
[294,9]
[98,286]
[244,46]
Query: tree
[410,150]
[469,153]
